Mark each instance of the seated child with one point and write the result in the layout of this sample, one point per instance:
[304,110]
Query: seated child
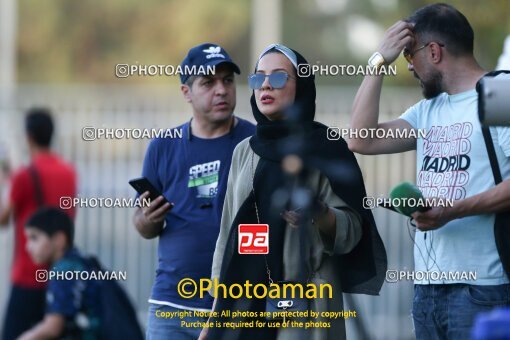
[72,304]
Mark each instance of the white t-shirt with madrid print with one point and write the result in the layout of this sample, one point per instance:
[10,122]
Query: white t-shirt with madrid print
[452,163]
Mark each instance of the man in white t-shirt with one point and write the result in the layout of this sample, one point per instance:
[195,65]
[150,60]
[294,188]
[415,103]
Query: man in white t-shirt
[452,163]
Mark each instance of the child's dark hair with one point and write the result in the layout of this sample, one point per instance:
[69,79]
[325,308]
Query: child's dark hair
[52,220]
[39,126]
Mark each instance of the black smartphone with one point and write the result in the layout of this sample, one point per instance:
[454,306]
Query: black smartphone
[142,185]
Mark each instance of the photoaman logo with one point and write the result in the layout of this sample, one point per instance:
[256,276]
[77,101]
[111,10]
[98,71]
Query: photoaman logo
[253,239]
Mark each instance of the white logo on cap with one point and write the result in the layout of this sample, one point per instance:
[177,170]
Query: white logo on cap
[214,52]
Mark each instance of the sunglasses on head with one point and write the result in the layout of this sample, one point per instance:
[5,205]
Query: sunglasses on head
[277,80]
[409,55]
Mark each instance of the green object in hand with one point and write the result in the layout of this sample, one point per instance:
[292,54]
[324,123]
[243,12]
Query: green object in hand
[408,195]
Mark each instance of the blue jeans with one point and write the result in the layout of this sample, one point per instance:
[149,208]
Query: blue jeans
[448,311]
[160,328]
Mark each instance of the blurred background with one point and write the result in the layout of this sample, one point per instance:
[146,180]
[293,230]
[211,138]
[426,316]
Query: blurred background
[62,55]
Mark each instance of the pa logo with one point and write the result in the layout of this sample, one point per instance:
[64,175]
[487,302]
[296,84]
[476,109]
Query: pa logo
[253,239]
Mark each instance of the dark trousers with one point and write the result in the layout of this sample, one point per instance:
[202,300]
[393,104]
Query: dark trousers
[24,310]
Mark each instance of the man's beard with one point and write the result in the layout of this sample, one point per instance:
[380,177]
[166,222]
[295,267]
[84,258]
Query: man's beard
[431,87]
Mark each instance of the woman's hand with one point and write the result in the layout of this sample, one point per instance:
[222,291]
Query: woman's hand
[292,217]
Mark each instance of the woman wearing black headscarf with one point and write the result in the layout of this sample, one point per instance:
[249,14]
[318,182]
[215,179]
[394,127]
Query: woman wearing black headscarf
[340,245]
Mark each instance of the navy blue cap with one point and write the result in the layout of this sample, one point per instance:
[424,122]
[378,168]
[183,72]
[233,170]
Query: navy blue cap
[202,56]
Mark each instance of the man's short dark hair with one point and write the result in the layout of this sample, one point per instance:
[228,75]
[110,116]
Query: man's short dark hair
[190,81]
[39,126]
[52,220]
[444,23]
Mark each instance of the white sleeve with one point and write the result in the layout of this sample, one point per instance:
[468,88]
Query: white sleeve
[411,116]
[503,134]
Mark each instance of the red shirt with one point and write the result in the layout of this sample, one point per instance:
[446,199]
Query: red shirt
[57,179]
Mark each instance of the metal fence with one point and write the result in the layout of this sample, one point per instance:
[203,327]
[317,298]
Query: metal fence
[105,166]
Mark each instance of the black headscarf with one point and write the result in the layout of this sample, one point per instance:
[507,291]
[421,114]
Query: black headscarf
[360,271]
[363,269]
[271,132]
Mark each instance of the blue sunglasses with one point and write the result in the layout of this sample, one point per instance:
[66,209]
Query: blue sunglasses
[277,80]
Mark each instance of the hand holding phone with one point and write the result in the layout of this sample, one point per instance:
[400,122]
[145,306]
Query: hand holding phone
[142,185]
[159,205]
[157,210]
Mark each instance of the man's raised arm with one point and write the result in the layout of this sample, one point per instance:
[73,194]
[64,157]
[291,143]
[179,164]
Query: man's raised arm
[365,110]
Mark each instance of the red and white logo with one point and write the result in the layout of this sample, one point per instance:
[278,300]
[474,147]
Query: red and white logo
[253,239]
